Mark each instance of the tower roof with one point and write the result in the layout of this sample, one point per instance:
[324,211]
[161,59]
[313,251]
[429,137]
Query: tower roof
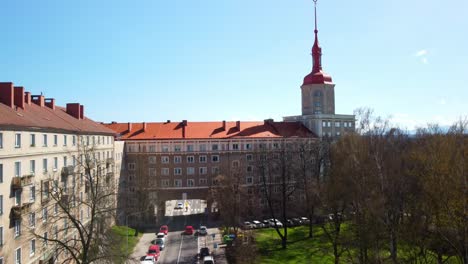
[317,76]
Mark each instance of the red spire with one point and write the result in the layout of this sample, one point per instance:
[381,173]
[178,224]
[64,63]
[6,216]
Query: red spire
[317,76]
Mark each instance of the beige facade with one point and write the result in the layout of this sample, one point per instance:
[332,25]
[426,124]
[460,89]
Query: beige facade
[35,162]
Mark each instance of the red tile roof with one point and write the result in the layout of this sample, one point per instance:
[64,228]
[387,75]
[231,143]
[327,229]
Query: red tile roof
[45,118]
[209,130]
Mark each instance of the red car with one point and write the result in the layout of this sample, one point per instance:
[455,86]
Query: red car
[164,229]
[189,230]
[154,250]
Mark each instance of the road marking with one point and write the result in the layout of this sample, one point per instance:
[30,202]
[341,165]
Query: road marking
[181,241]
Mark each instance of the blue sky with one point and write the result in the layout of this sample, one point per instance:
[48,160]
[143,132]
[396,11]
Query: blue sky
[208,60]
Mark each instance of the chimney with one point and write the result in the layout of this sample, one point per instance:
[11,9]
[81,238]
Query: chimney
[113,122]
[129,127]
[38,99]
[27,98]
[19,96]
[50,102]
[238,125]
[81,111]
[168,121]
[184,124]
[144,126]
[73,109]
[224,124]
[6,93]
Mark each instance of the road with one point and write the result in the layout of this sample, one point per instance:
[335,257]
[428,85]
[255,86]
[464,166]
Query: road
[181,248]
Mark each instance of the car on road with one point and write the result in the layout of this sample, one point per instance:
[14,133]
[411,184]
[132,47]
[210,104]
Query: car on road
[161,236]
[179,205]
[164,229]
[258,224]
[148,260]
[203,231]
[189,230]
[161,243]
[208,260]
[248,225]
[204,251]
[154,251]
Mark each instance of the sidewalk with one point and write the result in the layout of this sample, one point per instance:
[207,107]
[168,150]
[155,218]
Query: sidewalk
[141,247]
[218,252]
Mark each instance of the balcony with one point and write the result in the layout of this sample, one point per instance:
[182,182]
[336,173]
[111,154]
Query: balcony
[18,210]
[20,182]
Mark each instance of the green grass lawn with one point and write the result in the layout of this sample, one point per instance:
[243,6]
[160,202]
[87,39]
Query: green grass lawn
[120,233]
[301,249]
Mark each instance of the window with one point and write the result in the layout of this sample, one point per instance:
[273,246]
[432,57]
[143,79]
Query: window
[46,237]
[17,228]
[190,159]
[202,147]
[324,123]
[190,183]
[32,167]
[337,123]
[215,158]
[73,140]
[55,163]
[1,140]
[202,181]
[165,148]
[235,146]
[350,124]
[64,140]
[44,140]
[248,146]
[190,170]
[249,180]
[131,166]
[1,238]
[152,172]
[177,171]
[165,183]
[328,124]
[32,139]
[17,140]
[64,161]
[18,256]
[249,169]
[1,204]
[32,220]
[32,193]
[235,163]
[338,134]
[177,159]
[178,183]
[152,148]
[164,171]
[214,147]
[164,159]
[190,148]
[55,140]
[177,148]
[152,159]
[44,214]
[44,165]
[202,170]
[18,169]
[249,157]
[214,170]
[33,247]
[1,173]
[202,159]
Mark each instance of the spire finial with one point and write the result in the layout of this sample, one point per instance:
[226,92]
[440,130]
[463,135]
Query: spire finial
[315,15]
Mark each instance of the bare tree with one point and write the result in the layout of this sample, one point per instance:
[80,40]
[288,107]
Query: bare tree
[78,210]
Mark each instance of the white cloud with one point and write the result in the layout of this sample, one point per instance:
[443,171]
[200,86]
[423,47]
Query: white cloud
[424,60]
[420,53]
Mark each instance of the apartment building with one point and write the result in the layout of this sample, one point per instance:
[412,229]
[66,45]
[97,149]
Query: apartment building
[41,151]
[181,160]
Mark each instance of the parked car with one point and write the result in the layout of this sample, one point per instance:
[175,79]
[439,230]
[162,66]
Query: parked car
[278,223]
[297,221]
[247,225]
[290,223]
[208,260]
[204,251]
[154,251]
[266,223]
[203,231]
[189,230]
[258,224]
[164,229]
[160,242]
[305,220]
[148,260]
[161,236]
[179,205]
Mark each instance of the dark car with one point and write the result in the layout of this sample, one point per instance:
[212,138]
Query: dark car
[290,223]
[297,221]
[204,251]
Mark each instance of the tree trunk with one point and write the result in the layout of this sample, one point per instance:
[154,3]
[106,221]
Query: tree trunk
[335,253]
[311,225]
[393,247]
